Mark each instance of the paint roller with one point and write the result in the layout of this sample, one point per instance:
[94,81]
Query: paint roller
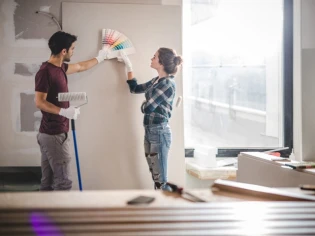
[70,97]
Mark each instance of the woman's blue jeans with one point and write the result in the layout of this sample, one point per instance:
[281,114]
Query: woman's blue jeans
[157,142]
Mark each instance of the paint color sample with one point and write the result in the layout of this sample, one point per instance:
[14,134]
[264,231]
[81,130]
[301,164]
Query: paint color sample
[114,41]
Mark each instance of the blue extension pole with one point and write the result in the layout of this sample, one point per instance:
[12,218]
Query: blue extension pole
[76,153]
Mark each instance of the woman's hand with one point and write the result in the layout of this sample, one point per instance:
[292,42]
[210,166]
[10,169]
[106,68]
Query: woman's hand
[124,58]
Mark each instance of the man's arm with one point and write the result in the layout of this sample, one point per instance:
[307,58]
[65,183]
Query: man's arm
[86,65]
[42,104]
[81,66]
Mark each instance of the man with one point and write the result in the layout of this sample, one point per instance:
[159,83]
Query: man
[52,138]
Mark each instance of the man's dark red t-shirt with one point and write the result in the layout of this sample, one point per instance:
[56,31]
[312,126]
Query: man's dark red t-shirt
[52,80]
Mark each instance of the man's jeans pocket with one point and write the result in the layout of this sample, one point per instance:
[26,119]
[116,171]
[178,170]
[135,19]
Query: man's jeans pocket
[61,138]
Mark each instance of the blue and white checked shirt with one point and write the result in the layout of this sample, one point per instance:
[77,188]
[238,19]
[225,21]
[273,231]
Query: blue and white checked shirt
[159,98]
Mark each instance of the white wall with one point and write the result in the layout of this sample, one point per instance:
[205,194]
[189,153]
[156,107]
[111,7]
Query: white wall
[304,81]
[297,108]
[110,127]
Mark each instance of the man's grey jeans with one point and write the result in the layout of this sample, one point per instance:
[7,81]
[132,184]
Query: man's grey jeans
[55,161]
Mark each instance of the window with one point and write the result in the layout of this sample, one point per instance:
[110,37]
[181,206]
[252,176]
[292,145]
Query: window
[238,74]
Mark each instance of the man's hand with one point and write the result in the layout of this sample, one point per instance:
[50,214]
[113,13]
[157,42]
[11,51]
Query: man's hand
[102,55]
[123,57]
[70,113]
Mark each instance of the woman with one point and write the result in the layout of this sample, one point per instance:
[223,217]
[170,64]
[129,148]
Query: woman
[157,109]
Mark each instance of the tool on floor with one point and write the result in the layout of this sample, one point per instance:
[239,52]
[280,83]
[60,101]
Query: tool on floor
[184,194]
[69,97]
[275,150]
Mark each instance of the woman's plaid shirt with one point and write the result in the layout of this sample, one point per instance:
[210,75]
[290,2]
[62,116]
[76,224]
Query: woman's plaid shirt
[159,97]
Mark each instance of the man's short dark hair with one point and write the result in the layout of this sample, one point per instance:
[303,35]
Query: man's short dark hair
[59,41]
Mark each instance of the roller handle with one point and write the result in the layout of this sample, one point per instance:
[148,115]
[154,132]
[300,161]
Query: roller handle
[72,124]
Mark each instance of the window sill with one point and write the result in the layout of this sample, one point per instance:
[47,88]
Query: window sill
[204,173]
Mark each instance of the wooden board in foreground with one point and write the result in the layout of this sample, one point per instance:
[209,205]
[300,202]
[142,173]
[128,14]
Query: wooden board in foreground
[231,188]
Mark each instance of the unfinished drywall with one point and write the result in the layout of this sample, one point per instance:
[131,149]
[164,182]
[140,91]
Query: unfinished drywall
[25,69]
[31,25]
[23,47]
[18,64]
[27,111]
[109,129]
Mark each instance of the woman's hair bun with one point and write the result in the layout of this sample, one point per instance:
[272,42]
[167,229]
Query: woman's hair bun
[178,60]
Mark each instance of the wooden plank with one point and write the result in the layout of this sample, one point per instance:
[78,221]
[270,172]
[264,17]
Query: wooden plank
[226,187]
[225,228]
[155,216]
[77,216]
[279,220]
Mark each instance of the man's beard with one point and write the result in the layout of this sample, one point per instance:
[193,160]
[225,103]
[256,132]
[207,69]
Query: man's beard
[67,59]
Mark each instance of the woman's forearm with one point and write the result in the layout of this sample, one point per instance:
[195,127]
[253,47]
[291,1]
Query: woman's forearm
[130,75]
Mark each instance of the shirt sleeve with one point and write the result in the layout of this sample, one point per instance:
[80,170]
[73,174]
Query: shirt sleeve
[161,93]
[42,81]
[138,88]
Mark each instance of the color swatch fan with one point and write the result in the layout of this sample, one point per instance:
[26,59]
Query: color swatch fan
[114,41]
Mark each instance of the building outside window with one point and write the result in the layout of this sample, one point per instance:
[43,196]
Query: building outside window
[237,84]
